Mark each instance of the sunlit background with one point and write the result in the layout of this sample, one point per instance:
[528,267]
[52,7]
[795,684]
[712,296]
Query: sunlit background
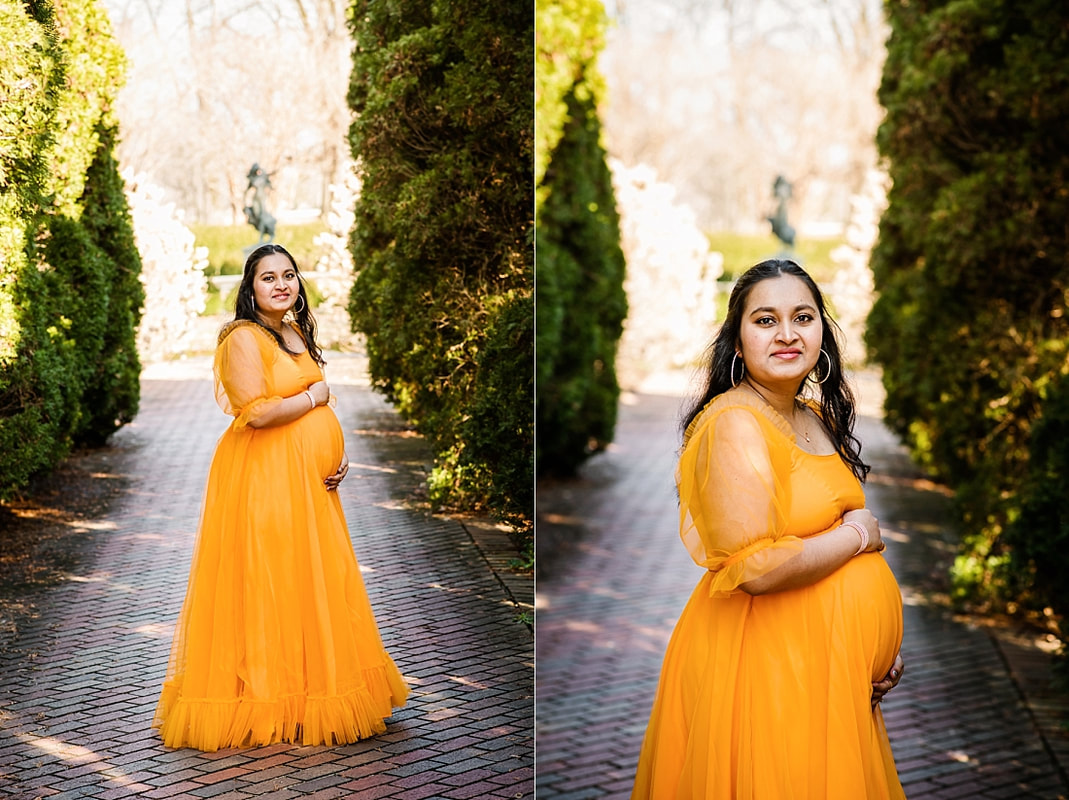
[216,85]
[212,88]
[707,103]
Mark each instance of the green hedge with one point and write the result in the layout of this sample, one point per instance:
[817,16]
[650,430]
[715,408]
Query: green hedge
[442,242]
[581,303]
[1039,537]
[70,297]
[971,324]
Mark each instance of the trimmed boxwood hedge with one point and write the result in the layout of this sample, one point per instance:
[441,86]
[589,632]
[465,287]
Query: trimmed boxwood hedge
[581,303]
[70,296]
[442,242]
[972,322]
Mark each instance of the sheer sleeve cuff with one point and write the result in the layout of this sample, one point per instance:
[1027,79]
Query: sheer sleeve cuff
[254,411]
[756,559]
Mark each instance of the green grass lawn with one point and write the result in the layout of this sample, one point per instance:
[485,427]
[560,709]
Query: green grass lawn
[226,256]
[742,251]
[226,244]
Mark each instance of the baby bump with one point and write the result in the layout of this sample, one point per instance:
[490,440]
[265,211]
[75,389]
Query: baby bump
[320,440]
[870,604]
[853,617]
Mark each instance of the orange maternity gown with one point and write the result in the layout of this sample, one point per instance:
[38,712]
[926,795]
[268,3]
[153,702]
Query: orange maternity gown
[276,640]
[768,697]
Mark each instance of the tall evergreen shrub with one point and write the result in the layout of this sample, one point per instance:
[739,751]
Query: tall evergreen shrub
[581,303]
[1039,537]
[114,391]
[971,325]
[69,293]
[442,242]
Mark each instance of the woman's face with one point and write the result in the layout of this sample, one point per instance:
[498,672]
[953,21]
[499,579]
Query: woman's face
[781,332]
[275,286]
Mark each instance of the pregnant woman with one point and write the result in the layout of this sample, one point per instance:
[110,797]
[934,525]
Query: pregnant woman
[276,640]
[773,675]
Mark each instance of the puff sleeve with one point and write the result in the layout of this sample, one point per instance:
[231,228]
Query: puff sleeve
[241,385]
[734,494]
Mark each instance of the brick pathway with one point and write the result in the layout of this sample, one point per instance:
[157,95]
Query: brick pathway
[79,681]
[965,722]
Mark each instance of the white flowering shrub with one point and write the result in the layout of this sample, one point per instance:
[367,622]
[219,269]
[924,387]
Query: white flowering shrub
[671,277]
[333,274]
[851,291]
[333,271]
[172,272]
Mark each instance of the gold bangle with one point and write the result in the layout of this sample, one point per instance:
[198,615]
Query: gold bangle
[312,399]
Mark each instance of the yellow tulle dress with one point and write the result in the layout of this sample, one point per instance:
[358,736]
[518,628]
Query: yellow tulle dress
[768,697]
[276,640]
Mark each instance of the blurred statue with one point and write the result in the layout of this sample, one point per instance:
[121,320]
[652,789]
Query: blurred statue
[781,190]
[256,212]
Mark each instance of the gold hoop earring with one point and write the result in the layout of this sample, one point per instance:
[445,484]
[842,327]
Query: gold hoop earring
[304,305]
[826,374]
[734,382]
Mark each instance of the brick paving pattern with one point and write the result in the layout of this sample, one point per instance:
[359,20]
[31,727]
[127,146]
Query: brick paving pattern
[973,717]
[79,681]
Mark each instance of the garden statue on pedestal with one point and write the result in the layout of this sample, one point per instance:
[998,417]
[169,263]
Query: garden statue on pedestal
[781,190]
[256,212]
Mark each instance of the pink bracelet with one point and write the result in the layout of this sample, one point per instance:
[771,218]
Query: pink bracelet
[864,534]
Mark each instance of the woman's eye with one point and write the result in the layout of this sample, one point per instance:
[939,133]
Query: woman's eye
[766,321]
[805,318]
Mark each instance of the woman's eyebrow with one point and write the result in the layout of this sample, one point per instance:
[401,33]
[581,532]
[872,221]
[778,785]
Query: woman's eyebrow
[769,309]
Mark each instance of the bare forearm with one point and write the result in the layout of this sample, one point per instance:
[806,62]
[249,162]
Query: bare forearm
[287,410]
[820,556]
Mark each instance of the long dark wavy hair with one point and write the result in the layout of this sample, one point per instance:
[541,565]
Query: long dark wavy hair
[837,403]
[246,303]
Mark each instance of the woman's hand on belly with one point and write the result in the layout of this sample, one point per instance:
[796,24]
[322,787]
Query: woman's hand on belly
[332,481]
[889,681]
[320,393]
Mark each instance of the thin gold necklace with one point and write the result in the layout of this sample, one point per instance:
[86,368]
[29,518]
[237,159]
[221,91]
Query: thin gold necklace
[805,433]
[797,405]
